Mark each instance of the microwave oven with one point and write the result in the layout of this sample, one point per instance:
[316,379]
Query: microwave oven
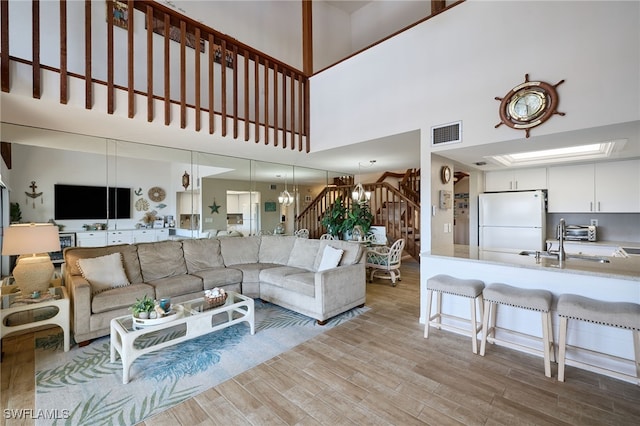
[580,233]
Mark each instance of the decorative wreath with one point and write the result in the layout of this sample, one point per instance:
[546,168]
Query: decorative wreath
[157,194]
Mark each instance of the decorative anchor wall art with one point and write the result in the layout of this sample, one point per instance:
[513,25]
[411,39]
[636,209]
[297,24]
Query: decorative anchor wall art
[33,194]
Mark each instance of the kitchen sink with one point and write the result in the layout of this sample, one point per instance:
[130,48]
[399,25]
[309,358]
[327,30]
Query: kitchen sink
[538,254]
[568,256]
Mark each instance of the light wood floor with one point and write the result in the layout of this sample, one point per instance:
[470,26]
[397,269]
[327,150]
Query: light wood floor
[378,369]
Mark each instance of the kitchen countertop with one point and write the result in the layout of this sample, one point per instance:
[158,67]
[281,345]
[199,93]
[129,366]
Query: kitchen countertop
[605,243]
[620,268]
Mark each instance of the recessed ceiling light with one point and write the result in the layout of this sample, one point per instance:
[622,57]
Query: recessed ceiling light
[556,155]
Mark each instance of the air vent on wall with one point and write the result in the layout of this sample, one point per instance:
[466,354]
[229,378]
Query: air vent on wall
[446,133]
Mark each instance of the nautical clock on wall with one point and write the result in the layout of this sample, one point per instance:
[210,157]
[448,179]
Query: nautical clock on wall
[528,105]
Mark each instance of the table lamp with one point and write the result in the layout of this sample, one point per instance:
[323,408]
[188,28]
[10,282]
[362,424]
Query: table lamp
[33,270]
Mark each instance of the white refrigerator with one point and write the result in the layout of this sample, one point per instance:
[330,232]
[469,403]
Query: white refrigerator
[512,221]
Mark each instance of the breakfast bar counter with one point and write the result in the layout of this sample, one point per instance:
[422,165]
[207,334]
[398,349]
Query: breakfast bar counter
[617,280]
[617,267]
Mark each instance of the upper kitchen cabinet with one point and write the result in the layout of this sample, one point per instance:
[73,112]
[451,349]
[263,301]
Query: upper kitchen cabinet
[516,180]
[611,187]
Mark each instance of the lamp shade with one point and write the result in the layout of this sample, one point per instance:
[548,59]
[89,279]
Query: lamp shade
[30,239]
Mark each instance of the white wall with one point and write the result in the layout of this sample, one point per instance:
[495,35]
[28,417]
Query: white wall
[331,29]
[378,19]
[453,66]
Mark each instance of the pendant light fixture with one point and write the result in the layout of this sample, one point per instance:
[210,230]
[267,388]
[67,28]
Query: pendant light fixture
[285,198]
[359,194]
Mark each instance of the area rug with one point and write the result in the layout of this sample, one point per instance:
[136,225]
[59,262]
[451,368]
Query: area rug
[82,386]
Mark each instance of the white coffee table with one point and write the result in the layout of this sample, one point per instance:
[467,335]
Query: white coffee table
[192,314]
[52,308]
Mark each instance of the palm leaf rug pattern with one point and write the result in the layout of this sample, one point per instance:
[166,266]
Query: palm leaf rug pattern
[87,388]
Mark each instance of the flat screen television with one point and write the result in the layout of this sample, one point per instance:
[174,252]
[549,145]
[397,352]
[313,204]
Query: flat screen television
[90,202]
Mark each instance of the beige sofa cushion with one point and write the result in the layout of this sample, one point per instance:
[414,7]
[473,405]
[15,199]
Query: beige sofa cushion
[104,272]
[121,297]
[290,278]
[177,285]
[251,271]
[304,253]
[201,254]
[218,277]
[240,250]
[160,260]
[275,249]
[129,259]
[352,252]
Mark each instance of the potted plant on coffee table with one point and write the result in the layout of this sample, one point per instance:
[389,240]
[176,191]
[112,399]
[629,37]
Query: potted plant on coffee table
[143,307]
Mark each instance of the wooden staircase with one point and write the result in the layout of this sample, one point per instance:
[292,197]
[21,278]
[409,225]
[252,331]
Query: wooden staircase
[397,209]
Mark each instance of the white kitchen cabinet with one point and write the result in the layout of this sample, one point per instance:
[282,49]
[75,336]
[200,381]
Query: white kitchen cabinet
[119,237]
[188,202]
[233,203]
[617,186]
[162,234]
[516,180]
[609,187]
[91,239]
[144,236]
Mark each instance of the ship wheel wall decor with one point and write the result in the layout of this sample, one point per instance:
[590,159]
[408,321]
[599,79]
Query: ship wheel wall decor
[529,104]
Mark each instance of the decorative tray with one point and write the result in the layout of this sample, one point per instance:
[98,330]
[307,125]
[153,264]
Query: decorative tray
[175,313]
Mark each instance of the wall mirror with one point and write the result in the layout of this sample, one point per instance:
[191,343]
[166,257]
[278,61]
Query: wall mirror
[194,194]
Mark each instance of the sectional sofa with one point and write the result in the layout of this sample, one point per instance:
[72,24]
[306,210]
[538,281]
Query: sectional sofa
[317,278]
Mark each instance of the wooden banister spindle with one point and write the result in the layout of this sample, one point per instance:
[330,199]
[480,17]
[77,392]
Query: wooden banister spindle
[235,91]
[306,115]
[246,95]
[35,43]
[275,104]
[266,102]
[212,89]
[293,111]
[256,97]
[130,61]
[88,83]
[5,77]
[149,20]
[284,108]
[64,96]
[223,85]
[167,72]
[110,94]
[197,78]
[183,74]
[300,113]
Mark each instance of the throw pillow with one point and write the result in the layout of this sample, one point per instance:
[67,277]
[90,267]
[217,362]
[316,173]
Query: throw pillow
[330,258]
[104,272]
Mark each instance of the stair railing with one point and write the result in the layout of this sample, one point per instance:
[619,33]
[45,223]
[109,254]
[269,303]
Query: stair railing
[391,208]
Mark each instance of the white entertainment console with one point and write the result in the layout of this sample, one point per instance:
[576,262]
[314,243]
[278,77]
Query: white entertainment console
[125,236]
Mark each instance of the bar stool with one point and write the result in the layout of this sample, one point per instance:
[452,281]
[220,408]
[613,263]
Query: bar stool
[534,300]
[469,288]
[614,314]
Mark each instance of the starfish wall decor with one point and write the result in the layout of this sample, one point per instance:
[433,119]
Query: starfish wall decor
[214,207]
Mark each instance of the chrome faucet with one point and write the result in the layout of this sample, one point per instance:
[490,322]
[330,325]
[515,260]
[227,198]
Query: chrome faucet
[562,229]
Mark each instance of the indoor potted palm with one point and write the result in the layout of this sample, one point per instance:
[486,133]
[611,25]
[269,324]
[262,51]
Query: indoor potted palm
[334,217]
[358,221]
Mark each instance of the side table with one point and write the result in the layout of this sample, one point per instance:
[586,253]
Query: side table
[27,316]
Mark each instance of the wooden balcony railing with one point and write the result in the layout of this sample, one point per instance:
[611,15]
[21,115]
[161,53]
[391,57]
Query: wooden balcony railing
[173,59]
